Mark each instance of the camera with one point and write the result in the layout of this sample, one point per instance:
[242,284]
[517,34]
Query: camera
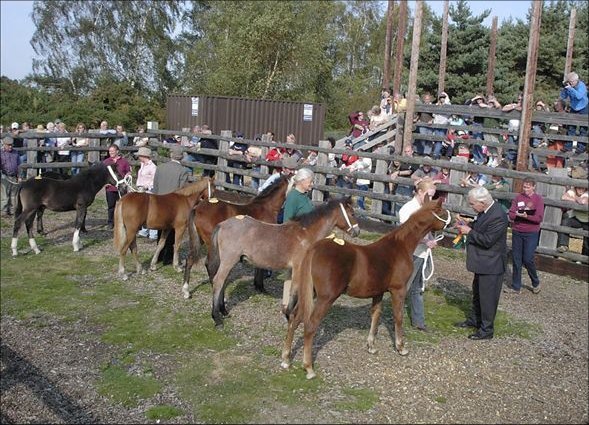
[565,84]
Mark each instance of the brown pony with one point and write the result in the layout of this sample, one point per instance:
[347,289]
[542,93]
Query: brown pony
[204,217]
[271,246]
[162,212]
[360,271]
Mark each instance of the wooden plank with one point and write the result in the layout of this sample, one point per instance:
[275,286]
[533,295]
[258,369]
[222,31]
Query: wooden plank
[553,215]
[443,49]
[411,93]
[570,42]
[320,178]
[455,177]
[378,187]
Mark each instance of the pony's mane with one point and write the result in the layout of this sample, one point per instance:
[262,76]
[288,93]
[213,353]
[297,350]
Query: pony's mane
[94,173]
[417,219]
[319,212]
[270,190]
[192,188]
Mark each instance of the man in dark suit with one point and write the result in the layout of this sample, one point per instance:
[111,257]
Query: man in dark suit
[170,176]
[486,257]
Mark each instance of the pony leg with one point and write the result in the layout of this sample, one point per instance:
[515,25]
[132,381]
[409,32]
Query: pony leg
[29,224]
[158,249]
[134,251]
[40,229]
[311,326]
[375,313]
[179,234]
[294,321]
[219,284]
[397,301]
[193,257]
[18,221]
[81,213]
[259,280]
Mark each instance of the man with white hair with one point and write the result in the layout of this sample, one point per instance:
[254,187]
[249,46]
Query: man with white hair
[486,257]
[576,91]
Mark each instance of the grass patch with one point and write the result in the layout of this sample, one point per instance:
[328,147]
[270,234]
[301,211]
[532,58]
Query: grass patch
[162,412]
[359,399]
[230,393]
[126,389]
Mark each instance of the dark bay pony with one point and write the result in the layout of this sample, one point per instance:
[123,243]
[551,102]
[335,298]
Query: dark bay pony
[55,176]
[361,271]
[76,193]
[271,246]
[162,212]
[205,216]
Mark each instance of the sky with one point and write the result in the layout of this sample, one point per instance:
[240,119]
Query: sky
[16,29]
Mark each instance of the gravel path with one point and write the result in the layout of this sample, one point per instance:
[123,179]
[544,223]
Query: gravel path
[49,369]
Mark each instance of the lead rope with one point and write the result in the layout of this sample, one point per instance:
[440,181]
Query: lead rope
[428,252]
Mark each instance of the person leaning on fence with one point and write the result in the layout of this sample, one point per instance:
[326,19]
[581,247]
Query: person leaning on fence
[207,143]
[424,189]
[575,91]
[78,156]
[237,150]
[9,162]
[526,214]
[575,218]
[405,170]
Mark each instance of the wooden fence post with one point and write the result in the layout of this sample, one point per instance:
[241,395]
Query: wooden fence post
[93,156]
[264,168]
[378,187]
[320,178]
[222,162]
[455,176]
[552,215]
[32,157]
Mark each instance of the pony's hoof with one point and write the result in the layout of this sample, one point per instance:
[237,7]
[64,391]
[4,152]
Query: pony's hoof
[403,351]
[311,375]
[124,276]
[186,295]
[372,350]
[152,268]
[179,269]
[285,365]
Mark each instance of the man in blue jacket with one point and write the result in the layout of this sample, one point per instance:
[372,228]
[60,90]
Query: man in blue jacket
[486,257]
[576,91]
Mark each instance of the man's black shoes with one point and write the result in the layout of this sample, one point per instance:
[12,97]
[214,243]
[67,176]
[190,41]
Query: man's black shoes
[478,336]
[465,324]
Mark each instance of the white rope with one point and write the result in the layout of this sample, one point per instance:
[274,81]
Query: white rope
[428,252]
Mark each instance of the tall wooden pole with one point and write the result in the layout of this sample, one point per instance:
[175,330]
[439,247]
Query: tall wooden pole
[443,50]
[387,46]
[400,46]
[491,62]
[569,60]
[528,100]
[408,129]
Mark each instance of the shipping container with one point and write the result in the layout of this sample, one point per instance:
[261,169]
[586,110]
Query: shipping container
[250,116]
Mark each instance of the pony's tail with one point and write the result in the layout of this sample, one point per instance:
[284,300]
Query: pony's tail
[213,260]
[193,237]
[19,208]
[303,284]
[119,237]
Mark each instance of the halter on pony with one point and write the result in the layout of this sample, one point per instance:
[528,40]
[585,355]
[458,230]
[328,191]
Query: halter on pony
[127,180]
[349,223]
[428,252]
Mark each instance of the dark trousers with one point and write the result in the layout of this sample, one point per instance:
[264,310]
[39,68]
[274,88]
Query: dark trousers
[167,253]
[486,290]
[111,202]
[523,248]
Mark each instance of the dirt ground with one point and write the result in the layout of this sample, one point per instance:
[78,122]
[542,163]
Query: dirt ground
[49,372]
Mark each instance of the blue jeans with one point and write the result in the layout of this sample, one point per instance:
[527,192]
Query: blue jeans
[438,145]
[423,147]
[77,156]
[572,131]
[523,247]
[363,187]
[534,143]
[415,304]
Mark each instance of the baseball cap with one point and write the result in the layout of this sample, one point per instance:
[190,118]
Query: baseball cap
[14,126]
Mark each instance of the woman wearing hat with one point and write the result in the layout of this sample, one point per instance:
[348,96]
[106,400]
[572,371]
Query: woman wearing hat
[145,177]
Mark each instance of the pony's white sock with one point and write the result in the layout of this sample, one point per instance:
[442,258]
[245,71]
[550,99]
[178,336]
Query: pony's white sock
[76,240]
[34,246]
[13,245]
